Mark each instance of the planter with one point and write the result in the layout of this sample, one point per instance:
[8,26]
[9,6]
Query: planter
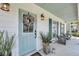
[46,48]
[46,40]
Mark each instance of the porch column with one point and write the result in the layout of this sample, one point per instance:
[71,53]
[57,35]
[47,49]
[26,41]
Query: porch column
[78,14]
[65,28]
[78,10]
[68,27]
[59,28]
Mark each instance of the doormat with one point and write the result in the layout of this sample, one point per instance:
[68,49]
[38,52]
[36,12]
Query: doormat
[36,54]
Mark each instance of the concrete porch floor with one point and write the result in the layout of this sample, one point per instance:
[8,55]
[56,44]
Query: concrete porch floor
[70,49]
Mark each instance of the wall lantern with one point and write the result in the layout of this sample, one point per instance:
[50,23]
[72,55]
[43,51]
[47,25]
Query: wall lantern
[5,6]
[42,16]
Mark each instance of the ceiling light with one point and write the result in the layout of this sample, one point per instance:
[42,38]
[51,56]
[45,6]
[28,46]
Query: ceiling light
[5,6]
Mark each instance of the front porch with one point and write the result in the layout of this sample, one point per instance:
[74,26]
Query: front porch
[25,21]
[70,49]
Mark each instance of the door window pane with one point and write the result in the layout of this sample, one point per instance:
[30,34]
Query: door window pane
[28,21]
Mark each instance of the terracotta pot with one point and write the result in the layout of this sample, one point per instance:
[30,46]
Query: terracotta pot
[46,48]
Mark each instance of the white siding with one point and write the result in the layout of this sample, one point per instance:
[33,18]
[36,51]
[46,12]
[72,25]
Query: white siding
[9,21]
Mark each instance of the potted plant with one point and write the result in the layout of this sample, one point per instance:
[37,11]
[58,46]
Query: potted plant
[46,39]
[6,44]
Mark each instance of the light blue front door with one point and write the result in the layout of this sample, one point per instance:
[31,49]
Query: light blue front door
[27,32]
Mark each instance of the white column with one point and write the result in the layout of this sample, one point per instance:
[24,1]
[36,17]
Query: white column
[59,29]
[78,14]
[65,27]
[78,10]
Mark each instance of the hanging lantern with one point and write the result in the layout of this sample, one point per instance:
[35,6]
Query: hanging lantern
[42,16]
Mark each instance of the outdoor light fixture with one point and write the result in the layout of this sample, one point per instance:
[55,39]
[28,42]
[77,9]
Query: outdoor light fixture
[42,16]
[5,6]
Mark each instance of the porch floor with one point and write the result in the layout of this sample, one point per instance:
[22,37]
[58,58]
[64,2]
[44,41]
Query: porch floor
[70,49]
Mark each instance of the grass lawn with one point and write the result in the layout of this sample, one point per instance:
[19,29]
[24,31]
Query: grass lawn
[75,34]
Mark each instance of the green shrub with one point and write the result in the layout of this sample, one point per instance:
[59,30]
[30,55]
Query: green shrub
[6,44]
[75,34]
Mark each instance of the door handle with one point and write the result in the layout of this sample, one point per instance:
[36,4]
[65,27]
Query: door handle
[35,34]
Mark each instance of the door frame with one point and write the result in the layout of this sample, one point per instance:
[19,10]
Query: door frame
[22,33]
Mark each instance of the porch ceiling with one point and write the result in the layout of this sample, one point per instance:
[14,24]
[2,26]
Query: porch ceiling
[66,11]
